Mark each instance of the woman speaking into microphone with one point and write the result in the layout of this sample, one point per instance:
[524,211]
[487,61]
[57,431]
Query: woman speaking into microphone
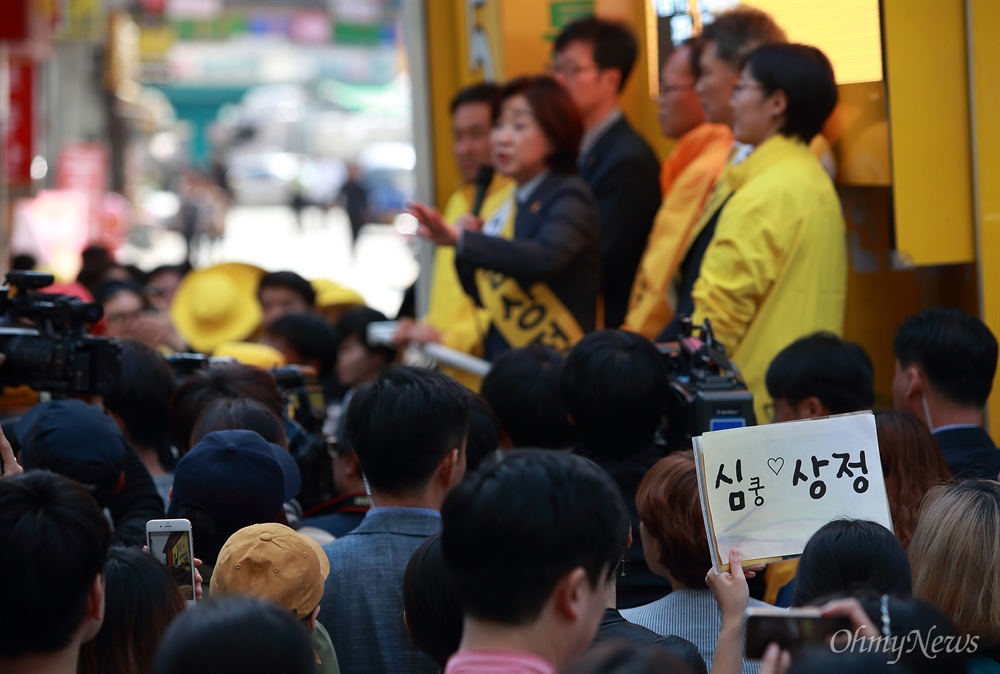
[534,264]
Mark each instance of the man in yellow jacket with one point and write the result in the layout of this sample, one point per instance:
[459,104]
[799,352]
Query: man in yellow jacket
[453,318]
[688,174]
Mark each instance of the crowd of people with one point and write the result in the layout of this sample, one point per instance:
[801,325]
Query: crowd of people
[352,513]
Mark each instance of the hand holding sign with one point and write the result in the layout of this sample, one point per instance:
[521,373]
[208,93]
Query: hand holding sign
[767,489]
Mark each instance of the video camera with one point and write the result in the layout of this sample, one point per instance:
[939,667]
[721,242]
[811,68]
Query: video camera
[707,389]
[44,339]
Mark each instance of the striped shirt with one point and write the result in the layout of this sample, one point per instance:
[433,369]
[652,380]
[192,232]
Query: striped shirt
[691,614]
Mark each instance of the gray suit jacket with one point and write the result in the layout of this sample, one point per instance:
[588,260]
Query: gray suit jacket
[362,606]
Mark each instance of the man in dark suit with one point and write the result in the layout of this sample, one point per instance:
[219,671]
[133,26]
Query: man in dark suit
[593,59]
[408,430]
[945,364]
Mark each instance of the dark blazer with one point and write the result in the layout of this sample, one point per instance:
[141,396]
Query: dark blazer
[624,175]
[614,627]
[970,452]
[362,605]
[556,240]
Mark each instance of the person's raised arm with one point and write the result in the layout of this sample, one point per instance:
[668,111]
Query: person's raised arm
[732,595]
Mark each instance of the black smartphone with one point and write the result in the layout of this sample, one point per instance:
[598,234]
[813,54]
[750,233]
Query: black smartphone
[789,628]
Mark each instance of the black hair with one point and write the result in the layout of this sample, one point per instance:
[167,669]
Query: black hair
[355,322]
[290,280]
[311,336]
[908,615]
[245,414]
[108,289]
[956,351]
[515,529]
[823,365]
[404,423]
[737,31]
[140,601]
[207,532]
[203,387]
[140,397]
[54,540]
[847,555]
[615,385]
[621,657]
[23,261]
[179,269]
[804,74]
[480,92]
[433,612]
[236,635]
[484,432]
[614,43]
[523,389]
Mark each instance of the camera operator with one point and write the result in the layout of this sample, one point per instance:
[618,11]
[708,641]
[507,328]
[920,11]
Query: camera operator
[127,314]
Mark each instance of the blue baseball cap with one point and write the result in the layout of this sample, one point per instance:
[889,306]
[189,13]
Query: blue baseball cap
[237,477]
[77,440]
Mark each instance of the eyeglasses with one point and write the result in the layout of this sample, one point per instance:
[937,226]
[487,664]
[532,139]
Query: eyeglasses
[740,86]
[769,411]
[570,70]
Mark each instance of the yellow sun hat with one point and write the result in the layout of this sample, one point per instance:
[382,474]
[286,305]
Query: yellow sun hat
[251,353]
[332,294]
[217,304]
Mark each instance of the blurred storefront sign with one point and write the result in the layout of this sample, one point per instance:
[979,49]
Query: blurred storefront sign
[54,227]
[18,142]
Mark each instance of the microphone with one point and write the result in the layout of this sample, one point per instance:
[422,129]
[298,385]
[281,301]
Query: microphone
[483,181]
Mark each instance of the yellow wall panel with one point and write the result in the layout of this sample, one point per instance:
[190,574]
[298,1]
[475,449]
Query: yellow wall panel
[927,83]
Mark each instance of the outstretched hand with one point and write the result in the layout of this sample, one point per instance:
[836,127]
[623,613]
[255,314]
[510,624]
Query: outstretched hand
[10,465]
[432,225]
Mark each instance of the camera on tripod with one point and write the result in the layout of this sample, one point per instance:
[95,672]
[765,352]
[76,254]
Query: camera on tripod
[44,339]
[707,389]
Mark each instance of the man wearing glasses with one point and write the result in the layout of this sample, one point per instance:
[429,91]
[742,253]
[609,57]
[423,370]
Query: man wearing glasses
[593,59]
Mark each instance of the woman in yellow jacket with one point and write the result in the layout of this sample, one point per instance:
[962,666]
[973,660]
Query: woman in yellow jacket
[776,268]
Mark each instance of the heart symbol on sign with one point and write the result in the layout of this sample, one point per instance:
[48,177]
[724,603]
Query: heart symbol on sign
[776,465]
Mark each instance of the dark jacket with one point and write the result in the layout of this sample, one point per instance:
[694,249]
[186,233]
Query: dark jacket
[614,627]
[556,241]
[624,175]
[970,452]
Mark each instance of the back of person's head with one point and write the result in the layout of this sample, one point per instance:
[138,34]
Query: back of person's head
[960,525]
[737,32]
[273,562]
[615,385]
[202,387]
[669,509]
[614,43]
[484,432]
[236,635]
[54,540]
[431,607]
[240,414]
[96,260]
[480,92]
[912,464]
[140,601]
[804,74]
[822,365]
[307,337]
[140,397]
[77,440]
[956,351]
[515,530]
[291,281]
[618,657]
[847,555]
[523,389]
[403,424]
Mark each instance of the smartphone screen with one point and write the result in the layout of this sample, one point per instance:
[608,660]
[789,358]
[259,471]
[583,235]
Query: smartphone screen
[173,549]
[789,629]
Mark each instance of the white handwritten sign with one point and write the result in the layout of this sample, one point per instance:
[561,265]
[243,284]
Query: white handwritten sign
[767,489]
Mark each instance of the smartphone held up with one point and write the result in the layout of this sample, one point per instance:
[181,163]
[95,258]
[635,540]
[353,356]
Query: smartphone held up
[169,542]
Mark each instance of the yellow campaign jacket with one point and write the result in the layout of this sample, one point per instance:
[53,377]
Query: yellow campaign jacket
[776,269]
[689,173]
[451,312]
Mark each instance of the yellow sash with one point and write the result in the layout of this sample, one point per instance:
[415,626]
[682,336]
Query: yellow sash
[523,316]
